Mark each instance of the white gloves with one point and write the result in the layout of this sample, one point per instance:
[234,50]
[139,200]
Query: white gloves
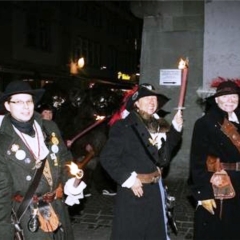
[74,193]
[209,205]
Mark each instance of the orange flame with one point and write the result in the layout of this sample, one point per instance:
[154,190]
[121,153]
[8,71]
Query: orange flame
[74,170]
[99,117]
[183,63]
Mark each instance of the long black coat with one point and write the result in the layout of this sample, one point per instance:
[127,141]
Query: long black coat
[208,139]
[124,152]
[16,176]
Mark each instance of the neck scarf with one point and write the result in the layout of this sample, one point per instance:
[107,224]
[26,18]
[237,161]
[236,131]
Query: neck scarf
[24,127]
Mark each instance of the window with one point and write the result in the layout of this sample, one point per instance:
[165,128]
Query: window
[38,33]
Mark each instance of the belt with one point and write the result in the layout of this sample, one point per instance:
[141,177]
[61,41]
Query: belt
[47,197]
[149,177]
[230,166]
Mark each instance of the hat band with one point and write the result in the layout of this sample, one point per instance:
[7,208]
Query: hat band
[227,90]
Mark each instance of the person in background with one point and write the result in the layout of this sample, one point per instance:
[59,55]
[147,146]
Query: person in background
[27,144]
[214,166]
[46,111]
[139,146]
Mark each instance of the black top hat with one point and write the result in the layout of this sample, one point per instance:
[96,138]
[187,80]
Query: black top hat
[145,90]
[17,87]
[225,88]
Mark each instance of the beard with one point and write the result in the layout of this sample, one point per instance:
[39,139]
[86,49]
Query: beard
[150,121]
[152,124]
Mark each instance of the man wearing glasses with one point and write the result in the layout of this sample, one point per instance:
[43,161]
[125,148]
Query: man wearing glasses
[29,143]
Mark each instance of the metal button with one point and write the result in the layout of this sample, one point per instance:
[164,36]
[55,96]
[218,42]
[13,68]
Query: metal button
[28,178]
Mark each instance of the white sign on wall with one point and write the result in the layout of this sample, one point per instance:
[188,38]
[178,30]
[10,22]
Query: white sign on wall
[170,77]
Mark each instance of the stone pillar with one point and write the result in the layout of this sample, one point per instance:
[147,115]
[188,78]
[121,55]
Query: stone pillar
[173,30]
[221,43]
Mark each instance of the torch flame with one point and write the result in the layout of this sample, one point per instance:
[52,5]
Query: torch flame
[74,170]
[99,117]
[183,63]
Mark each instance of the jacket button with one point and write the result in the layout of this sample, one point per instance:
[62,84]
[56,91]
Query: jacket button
[27,160]
[28,178]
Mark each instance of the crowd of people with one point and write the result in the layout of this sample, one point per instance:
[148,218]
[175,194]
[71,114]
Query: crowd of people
[37,186]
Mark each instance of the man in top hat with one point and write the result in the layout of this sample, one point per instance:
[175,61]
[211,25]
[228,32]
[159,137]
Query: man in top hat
[139,146]
[28,144]
[215,157]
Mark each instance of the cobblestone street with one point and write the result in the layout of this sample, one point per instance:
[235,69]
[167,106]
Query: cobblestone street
[93,218]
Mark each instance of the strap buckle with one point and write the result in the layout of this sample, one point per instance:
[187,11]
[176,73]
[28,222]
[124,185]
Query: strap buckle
[155,179]
[237,166]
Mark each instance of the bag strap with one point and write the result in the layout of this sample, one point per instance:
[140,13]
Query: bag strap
[29,194]
[231,132]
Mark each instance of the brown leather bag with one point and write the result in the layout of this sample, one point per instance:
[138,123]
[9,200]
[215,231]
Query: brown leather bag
[48,219]
[222,185]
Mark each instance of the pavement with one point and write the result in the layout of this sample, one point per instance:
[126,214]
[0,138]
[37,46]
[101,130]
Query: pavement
[92,219]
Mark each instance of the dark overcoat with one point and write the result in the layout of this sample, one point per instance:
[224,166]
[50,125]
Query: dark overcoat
[128,149]
[16,176]
[208,139]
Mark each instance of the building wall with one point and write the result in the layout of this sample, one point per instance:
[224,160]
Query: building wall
[221,41]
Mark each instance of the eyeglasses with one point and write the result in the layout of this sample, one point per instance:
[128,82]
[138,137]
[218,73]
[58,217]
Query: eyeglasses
[22,103]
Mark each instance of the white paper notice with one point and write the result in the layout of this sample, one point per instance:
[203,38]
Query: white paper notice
[170,77]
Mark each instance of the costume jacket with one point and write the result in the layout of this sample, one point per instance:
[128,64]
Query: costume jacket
[129,149]
[208,139]
[17,171]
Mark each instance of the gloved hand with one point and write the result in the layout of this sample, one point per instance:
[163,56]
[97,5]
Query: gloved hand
[209,205]
[73,193]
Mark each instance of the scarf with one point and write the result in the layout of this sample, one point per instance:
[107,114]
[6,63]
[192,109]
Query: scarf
[24,127]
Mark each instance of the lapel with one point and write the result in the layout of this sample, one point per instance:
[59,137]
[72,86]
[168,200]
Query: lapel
[17,152]
[144,136]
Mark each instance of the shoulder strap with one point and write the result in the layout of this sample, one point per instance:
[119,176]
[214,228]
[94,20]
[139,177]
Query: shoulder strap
[231,132]
[29,194]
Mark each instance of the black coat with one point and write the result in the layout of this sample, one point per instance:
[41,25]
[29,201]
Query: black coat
[128,149]
[16,176]
[208,139]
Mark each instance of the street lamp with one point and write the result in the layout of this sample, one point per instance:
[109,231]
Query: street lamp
[81,62]
[75,66]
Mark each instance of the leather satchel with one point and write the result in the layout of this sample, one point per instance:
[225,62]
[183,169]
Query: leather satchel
[222,185]
[48,219]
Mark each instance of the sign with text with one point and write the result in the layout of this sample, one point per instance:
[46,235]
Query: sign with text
[170,77]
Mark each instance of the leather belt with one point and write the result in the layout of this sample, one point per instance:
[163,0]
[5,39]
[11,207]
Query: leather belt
[47,197]
[149,177]
[230,166]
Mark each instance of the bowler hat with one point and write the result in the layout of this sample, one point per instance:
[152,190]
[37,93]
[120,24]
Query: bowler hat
[145,90]
[16,87]
[225,88]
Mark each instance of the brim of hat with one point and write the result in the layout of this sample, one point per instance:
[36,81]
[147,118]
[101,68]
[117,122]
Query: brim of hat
[222,93]
[37,95]
[162,99]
